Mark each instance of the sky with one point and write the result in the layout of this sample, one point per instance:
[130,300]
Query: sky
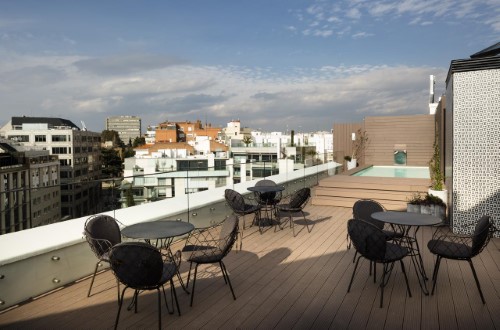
[275,65]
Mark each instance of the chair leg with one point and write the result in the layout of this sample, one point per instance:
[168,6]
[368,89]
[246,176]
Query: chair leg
[477,281]
[226,277]
[382,285]
[159,308]
[194,283]
[120,303]
[189,274]
[305,220]
[406,277]
[353,273]
[172,289]
[435,274]
[118,287]
[93,278]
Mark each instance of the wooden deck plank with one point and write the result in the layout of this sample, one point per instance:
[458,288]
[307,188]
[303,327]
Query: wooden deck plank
[284,282]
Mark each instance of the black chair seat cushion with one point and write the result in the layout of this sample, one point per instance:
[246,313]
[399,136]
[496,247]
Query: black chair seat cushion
[450,250]
[203,254]
[249,208]
[394,252]
[288,208]
[392,234]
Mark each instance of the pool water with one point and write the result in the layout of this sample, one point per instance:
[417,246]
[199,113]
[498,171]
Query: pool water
[395,172]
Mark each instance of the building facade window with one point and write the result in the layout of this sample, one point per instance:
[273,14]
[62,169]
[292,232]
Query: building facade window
[59,138]
[59,150]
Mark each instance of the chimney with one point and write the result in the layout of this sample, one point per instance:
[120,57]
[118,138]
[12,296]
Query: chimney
[431,89]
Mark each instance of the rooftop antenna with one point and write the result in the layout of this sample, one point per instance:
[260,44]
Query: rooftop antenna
[84,128]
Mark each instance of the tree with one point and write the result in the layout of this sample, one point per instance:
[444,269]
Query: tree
[139,141]
[111,162]
[128,152]
[130,197]
[113,136]
[247,139]
[359,144]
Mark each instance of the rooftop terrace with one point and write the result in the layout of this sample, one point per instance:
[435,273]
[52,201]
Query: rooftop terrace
[284,282]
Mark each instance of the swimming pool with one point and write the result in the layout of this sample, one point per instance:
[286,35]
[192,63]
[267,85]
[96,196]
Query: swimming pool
[395,172]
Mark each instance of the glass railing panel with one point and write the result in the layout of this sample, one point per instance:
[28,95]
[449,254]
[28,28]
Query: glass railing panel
[34,248]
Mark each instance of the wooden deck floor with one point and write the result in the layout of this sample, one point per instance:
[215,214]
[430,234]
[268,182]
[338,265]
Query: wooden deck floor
[285,282]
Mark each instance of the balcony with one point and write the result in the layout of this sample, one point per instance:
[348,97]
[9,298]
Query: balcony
[280,281]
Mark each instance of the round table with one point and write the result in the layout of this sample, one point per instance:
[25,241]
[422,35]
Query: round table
[266,189]
[269,208]
[163,231]
[409,220]
[160,230]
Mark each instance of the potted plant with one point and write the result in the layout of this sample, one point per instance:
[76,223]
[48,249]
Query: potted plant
[414,203]
[350,163]
[358,146]
[433,205]
[437,176]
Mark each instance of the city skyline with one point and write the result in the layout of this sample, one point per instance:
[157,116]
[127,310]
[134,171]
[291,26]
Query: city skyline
[274,65]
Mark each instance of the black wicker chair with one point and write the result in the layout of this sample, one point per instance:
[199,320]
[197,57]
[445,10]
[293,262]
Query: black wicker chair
[363,210]
[102,233]
[295,204]
[140,266]
[371,243]
[237,203]
[450,246]
[210,245]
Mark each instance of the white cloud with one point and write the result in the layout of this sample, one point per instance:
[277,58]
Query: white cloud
[312,98]
[345,13]
[362,35]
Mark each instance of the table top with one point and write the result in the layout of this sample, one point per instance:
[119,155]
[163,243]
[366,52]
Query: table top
[407,218]
[265,189]
[157,229]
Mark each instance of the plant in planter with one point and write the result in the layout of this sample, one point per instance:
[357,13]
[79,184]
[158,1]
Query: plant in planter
[433,205]
[437,176]
[414,203]
[359,144]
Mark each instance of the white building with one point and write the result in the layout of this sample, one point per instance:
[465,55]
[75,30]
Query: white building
[165,170]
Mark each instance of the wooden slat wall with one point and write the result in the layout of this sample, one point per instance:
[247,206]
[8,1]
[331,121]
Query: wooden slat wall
[342,141]
[416,132]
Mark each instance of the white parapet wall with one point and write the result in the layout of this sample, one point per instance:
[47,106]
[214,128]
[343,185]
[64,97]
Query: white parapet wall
[41,259]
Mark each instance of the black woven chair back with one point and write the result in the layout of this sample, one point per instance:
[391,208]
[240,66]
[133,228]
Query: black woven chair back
[267,197]
[482,235]
[102,233]
[363,210]
[367,239]
[228,234]
[300,198]
[235,200]
[138,265]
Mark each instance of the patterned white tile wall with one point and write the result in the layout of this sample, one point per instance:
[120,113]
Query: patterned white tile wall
[475,113]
